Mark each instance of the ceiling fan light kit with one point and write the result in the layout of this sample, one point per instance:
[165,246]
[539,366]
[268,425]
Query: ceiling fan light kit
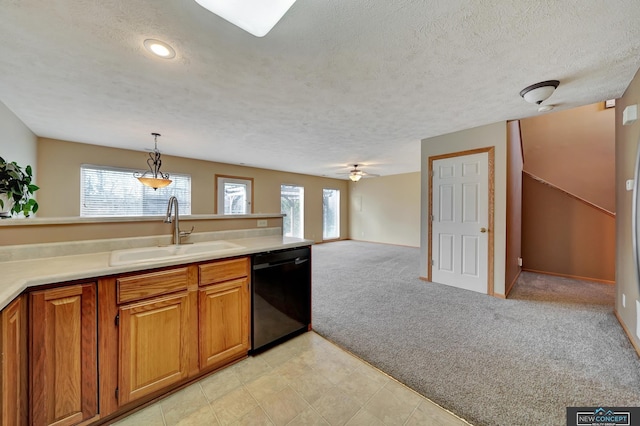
[256,17]
[356,174]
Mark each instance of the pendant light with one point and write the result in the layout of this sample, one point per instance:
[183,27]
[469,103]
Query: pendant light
[153,177]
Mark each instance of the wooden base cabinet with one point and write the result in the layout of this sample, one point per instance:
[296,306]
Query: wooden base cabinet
[154,345]
[63,355]
[13,346]
[153,331]
[156,317]
[224,321]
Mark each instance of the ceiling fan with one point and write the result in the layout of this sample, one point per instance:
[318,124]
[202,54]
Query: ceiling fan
[356,174]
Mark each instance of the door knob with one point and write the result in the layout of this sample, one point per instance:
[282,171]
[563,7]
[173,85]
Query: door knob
[483,230]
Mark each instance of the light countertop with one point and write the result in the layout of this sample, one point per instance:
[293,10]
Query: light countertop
[19,275]
[36,221]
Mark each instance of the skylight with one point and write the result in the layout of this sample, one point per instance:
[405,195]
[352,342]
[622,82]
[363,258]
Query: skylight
[257,17]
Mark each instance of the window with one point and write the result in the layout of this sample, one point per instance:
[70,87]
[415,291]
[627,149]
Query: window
[292,205]
[111,191]
[330,214]
[233,195]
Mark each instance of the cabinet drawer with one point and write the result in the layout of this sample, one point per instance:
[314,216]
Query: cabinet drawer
[143,286]
[224,270]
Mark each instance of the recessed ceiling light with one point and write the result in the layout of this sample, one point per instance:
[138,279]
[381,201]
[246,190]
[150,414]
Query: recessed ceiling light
[257,17]
[159,48]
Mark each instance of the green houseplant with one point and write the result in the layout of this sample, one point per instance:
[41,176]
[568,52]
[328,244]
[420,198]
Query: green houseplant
[16,190]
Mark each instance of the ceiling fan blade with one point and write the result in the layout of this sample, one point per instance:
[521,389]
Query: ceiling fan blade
[355,170]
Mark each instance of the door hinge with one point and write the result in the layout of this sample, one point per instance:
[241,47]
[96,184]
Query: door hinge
[117,393]
[117,321]
[432,262]
[431,218]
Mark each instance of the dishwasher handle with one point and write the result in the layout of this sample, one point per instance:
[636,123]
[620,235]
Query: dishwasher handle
[296,261]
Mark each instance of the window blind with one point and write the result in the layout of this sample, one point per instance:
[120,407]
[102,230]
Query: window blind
[111,191]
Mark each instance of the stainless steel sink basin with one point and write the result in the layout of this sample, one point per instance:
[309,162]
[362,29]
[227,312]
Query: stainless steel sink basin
[147,254]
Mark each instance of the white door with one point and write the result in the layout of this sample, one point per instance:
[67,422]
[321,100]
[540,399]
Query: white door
[460,222]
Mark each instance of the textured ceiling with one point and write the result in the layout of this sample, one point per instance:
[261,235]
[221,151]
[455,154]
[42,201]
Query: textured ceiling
[335,82]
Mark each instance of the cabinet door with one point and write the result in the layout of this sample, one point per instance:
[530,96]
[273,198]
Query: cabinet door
[154,345]
[13,347]
[224,322]
[64,374]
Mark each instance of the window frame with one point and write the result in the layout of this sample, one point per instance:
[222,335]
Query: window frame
[301,226]
[338,214]
[220,180]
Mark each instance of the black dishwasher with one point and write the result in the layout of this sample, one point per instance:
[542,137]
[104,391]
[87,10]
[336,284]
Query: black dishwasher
[281,299]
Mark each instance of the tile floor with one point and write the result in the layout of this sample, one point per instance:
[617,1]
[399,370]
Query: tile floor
[304,381]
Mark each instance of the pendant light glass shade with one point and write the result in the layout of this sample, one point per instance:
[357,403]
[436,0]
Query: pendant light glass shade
[153,177]
[155,183]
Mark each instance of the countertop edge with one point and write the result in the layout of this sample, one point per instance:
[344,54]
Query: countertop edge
[78,220]
[96,265]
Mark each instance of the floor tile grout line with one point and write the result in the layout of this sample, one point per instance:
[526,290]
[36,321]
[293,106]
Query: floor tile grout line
[384,386]
[298,393]
[372,396]
[209,403]
[296,354]
[412,413]
[387,375]
[309,404]
[305,400]
[164,420]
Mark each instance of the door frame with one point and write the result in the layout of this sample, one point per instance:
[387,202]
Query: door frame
[491,206]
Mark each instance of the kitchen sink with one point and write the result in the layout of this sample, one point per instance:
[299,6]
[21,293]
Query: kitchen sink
[148,254]
[208,246]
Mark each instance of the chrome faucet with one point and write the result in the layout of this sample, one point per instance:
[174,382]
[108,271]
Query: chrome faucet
[177,233]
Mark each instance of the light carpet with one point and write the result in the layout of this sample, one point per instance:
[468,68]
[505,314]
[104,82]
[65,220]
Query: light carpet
[554,343]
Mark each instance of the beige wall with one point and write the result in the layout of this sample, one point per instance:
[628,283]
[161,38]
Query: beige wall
[480,137]
[17,142]
[575,151]
[565,236]
[386,210]
[514,204]
[59,174]
[626,276]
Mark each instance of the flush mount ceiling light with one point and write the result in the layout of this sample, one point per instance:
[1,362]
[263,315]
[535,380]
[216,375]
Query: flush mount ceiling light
[159,48]
[539,92]
[153,177]
[257,17]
